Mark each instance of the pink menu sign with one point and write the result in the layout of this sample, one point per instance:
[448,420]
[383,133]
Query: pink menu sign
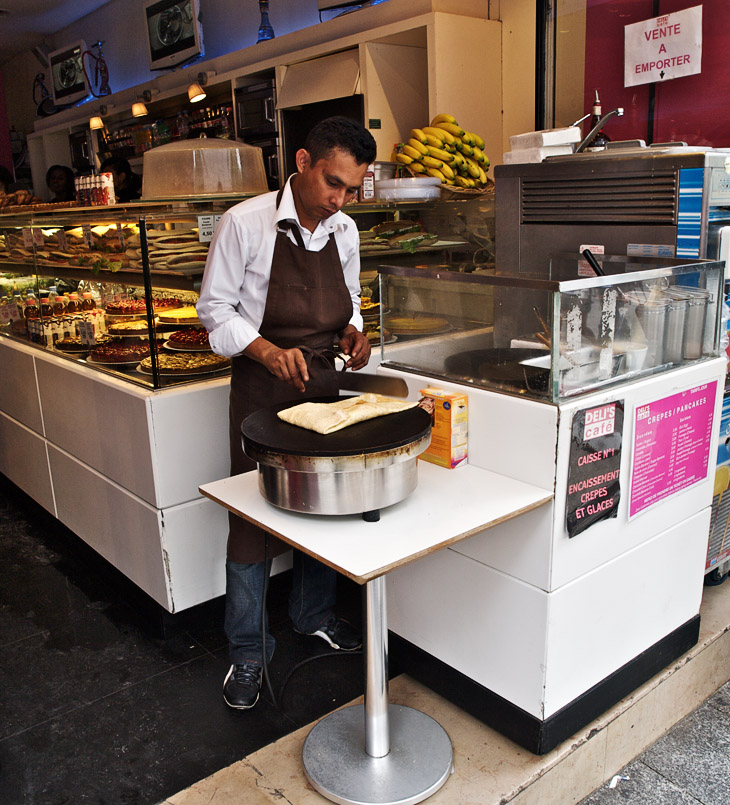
[672,439]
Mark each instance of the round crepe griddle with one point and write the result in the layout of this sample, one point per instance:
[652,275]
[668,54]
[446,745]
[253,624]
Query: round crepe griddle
[264,431]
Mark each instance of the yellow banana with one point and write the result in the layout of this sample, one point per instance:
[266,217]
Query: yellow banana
[440,153]
[439,134]
[414,153]
[462,181]
[418,145]
[419,135]
[479,141]
[417,167]
[452,128]
[404,159]
[436,173]
[465,148]
[472,167]
[469,138]
[431,162]
[434,142]
[478,155]
[447,171]
[443,119]
[482,175]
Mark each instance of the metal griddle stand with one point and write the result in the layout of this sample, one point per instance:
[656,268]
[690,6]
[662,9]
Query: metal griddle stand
[377,752]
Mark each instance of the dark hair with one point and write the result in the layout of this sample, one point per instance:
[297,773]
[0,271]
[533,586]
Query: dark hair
[6,178]
[118,164]
[344,133]
[67,172]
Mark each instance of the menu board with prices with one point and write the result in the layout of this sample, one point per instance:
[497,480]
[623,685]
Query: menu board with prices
[671,450]
[594,486]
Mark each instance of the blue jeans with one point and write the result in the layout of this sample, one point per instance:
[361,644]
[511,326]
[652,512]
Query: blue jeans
[311,603]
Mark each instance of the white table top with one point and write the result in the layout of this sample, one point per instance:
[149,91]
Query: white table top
[447,506]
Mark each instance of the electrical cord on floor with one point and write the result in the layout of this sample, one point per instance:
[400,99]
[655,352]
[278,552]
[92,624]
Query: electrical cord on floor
[264,662]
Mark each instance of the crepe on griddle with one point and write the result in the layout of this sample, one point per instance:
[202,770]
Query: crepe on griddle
[330,417]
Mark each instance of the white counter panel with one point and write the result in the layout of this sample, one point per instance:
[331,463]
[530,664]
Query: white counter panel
[519,547]
[24,460]
[124,529]
[607,617]
[508,435]
[488,626]
[194,539]
[104,424]
[610,538]
[18,391]
[189,427]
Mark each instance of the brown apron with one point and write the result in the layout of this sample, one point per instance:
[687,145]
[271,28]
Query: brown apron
[307,304]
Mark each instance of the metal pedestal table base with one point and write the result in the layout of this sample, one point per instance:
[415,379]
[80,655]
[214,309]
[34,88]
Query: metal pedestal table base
[376,753]
[417,765]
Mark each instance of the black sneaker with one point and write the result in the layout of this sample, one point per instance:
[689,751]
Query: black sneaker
[241,686]
[339,634]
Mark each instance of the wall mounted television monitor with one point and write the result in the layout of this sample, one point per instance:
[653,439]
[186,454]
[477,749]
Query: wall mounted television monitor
[67,74]
[174,32]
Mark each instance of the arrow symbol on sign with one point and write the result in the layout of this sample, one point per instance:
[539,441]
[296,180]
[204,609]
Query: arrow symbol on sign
[661,75]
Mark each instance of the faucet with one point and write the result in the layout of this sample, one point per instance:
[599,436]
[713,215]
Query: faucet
[584,142]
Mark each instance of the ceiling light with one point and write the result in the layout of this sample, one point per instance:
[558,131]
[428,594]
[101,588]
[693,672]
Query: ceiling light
[196,92]
[96,121]
[139,109]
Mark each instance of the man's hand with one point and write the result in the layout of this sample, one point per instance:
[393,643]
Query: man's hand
[356,345]
[287,364]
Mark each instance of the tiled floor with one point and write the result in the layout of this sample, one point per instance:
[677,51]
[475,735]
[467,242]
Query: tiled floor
[103,702]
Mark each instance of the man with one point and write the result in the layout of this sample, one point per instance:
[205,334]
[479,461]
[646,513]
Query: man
[281,285]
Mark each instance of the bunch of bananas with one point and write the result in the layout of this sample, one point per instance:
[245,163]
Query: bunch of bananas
[446,151]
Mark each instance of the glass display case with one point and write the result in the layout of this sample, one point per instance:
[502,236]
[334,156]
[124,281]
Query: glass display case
[549,340]
[114,288]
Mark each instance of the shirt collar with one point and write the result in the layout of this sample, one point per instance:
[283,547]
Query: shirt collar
[288,212]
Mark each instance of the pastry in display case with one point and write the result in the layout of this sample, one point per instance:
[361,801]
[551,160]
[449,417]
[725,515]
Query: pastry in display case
[579,336]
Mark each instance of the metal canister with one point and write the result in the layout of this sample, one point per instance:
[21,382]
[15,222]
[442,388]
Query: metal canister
[652,315]
[676,321]
[694,328]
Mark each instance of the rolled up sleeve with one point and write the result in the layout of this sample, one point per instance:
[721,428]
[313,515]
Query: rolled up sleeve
[219,305]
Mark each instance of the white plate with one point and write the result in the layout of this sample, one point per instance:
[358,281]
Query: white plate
[148,372]
[414,193]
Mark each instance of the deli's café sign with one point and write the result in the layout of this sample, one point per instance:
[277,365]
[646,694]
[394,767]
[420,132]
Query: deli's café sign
[594,488]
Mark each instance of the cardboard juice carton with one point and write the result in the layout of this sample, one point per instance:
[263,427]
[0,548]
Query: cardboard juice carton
[449,431]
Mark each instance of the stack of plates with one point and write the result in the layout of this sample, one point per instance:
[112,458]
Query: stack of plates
[414,188]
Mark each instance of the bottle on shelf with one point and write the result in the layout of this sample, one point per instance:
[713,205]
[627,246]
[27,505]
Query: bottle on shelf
[31,307]
[598,143]
[58,303]
[73,306]
[46,306]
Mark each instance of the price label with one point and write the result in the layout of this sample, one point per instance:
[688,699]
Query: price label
[88,239]
[86,332]
[38,237]
[27,238]
[14,311]
[206,227]
[4,314]
[62,240]
[120,235]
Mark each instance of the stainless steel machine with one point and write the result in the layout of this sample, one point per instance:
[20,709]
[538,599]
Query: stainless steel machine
[668,200]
